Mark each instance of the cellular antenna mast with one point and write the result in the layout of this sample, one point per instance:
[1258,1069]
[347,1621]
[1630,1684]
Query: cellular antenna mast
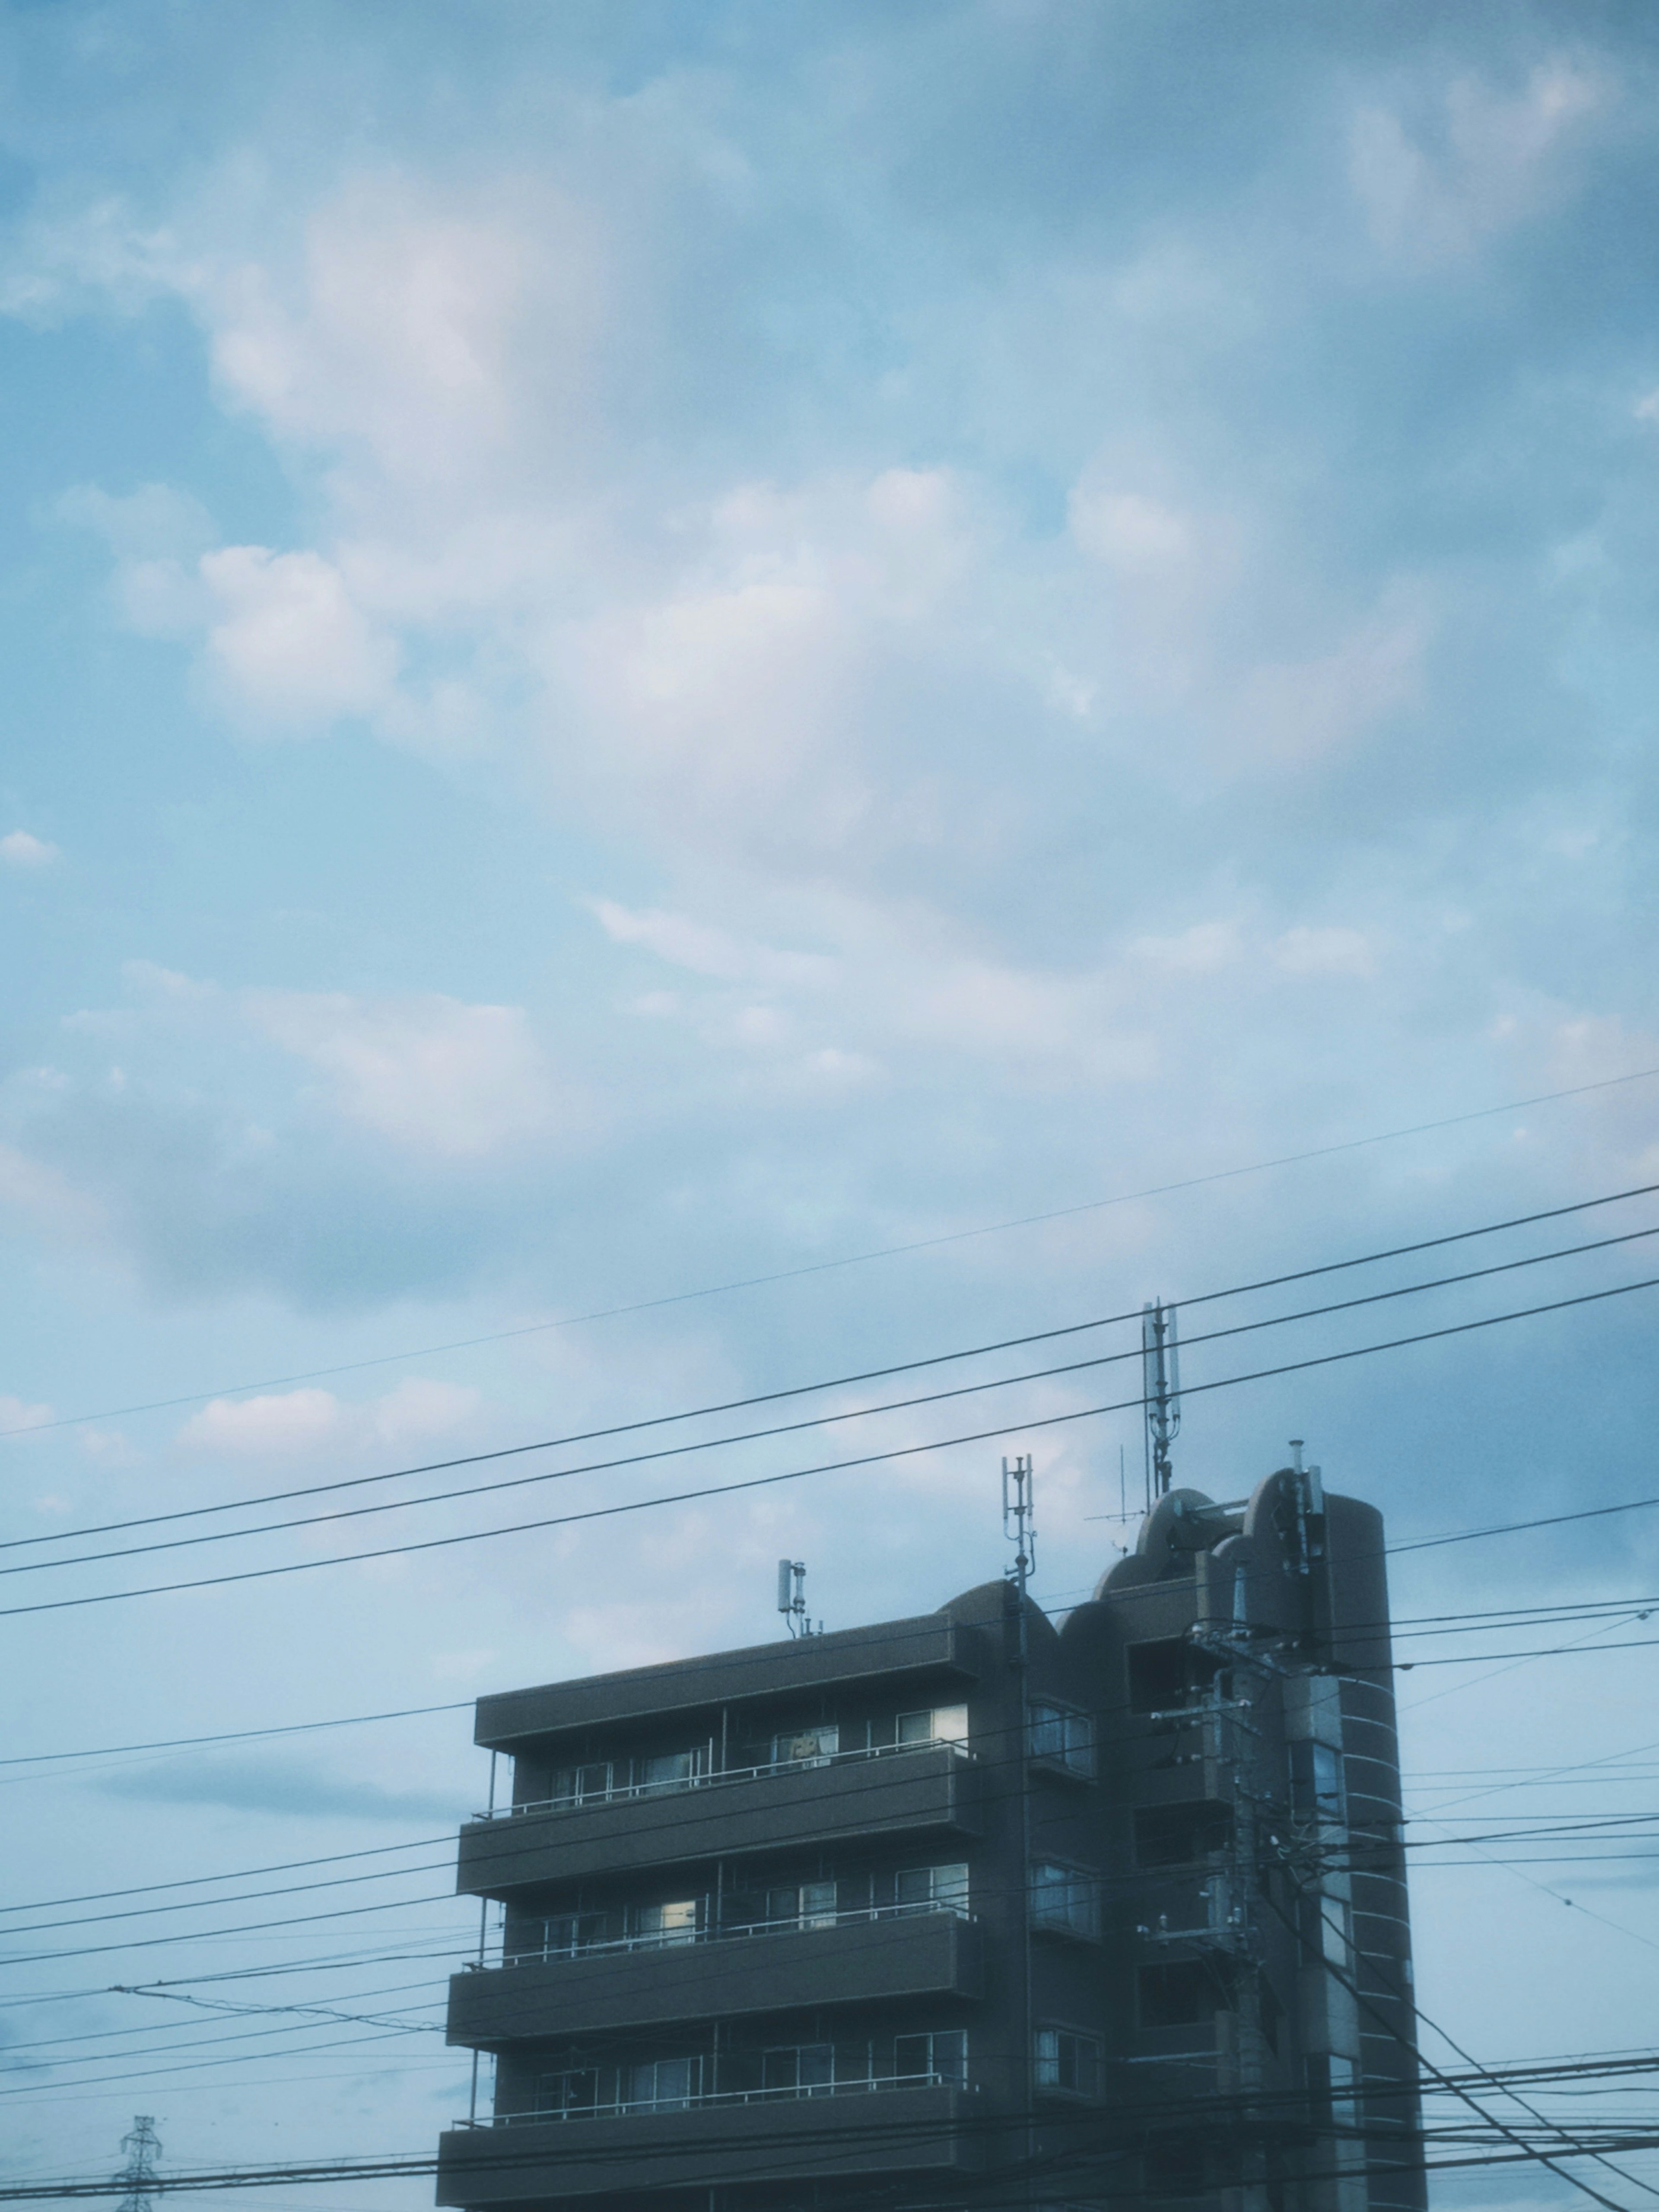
[1018,1504]
[138,2174]
[792,1598]
[1160,1367]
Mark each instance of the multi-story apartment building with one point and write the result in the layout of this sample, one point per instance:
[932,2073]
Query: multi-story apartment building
[970,1909]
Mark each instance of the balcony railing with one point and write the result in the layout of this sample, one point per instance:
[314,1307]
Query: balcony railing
[628,2108]
[662,1939]
[616,1792]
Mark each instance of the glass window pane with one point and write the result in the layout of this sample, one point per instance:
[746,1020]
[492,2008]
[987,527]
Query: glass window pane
[911,2055]
[817,1904]
[950,1724]
[780,2070]
[916,1727]
[817,2065]
[951,1888]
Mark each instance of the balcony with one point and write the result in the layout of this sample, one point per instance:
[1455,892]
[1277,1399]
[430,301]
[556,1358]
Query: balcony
[930,1646]
[906,1790]
[896,1952]
[896,2128]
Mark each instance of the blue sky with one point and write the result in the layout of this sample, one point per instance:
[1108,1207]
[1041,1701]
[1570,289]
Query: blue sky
[651,647]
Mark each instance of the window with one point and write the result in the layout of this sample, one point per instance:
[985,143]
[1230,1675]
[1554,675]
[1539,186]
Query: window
[1181,1994]
[674,1923]
[941,2056]
[932,1889]
[581,2092]
[561,1935]
[581,1785]
[811,1747]
[1175,1835]
[664,2084]
[1066,1898]
[1317,1792]
[940,1724]
[1067,2061]
[1333,2086]
[672,1770]
[791,1904]
[1327,1929]
[813,2070]
[1062,1736]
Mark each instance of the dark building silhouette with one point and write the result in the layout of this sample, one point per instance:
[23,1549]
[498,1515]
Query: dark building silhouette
[968,1909]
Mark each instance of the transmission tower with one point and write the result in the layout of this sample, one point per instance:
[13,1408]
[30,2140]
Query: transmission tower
[143,2147]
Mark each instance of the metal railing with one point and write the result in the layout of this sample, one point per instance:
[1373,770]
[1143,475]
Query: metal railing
[662,1939]
[630,2108]
[617,1793]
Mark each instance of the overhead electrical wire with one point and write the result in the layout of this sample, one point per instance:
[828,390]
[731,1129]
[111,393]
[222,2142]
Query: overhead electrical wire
[832,1419]
[871,1459]
[849,1259]
[878,1374]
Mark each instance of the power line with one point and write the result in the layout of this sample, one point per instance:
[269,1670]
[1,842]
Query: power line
[878,1374]
[833,1467]
[835,1419]
[849,1259]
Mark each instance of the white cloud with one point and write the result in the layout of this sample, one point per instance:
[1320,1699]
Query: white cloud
[441,337]
[20,849]
[1478,161]
[431,1073]
[273,1426]
[707,951]
[287,647]
[1332,951]
[17,1413]
[420,1407]
[289,1424]
[1199,951]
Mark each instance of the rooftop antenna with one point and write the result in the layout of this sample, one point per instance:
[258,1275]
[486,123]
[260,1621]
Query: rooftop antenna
[792,1598]
[142,2148]
[1018,1504]
[1160,1368]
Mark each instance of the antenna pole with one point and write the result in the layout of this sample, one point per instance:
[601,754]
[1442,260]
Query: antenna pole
[1160,1366]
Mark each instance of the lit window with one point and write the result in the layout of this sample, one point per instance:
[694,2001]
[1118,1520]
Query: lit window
[673,1923]
[806,1747]
[938,1724]
[1062,1736]
[1066,1898]
[1067,2061]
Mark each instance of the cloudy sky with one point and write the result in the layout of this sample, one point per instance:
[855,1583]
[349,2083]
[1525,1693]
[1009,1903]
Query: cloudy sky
[664,647]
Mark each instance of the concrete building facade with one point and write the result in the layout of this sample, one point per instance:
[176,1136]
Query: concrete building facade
[968,1910]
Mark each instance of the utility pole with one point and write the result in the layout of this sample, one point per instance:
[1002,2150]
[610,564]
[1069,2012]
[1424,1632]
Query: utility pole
[143,2148]
[1019,1527]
